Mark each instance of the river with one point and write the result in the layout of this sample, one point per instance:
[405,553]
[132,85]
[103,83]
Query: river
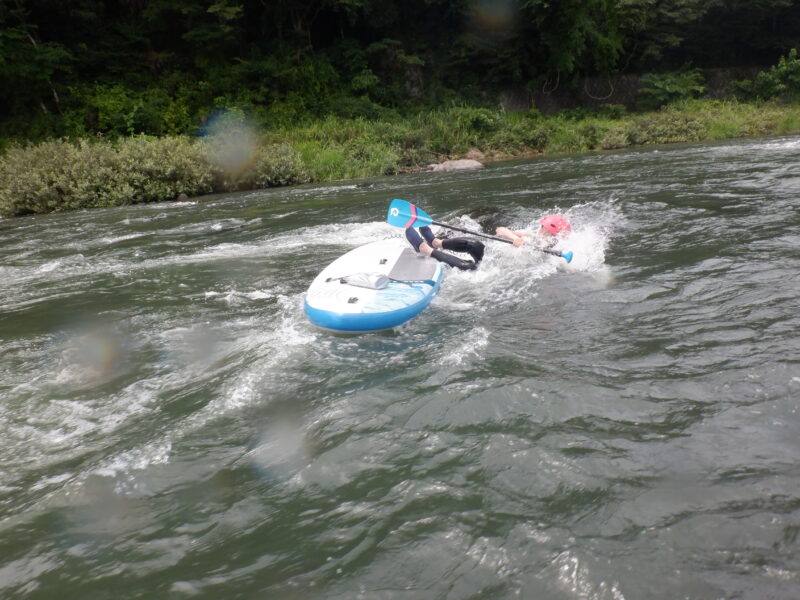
[622,427]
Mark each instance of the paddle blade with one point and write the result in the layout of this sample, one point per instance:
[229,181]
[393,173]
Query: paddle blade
[404,214]
[567,256]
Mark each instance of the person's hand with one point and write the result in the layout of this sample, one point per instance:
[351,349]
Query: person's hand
[518,242]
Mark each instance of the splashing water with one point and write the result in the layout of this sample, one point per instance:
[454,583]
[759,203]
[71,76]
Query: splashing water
[523,269]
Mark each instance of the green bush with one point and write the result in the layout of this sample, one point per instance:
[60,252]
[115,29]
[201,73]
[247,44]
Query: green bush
[60,175]
[789,124]
[442,137]
[615,137]
[33,179]
[240,159]
[118,111]
[565,140]
[575,114]
[722,129]
[162,168]
[613,111]
[350,107]
[522,135]
[782,81]
[591,132]
[324,161]
[253,166]
[455,130]
[476,120]
[665,127]
[277,165]
[657,91]
[414,146]
[369,157]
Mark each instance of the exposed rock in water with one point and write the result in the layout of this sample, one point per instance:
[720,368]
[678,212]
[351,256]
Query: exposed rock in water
[463,164]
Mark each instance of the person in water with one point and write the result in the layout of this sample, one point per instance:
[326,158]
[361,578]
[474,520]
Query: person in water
[550,228]
[432,246]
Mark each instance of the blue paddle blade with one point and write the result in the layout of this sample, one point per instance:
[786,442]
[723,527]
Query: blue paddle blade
[404,214]
[567,256]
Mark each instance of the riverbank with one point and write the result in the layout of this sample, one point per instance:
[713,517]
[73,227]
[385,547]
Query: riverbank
[61,175]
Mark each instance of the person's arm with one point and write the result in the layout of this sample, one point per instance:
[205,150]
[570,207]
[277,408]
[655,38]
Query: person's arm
[517,237]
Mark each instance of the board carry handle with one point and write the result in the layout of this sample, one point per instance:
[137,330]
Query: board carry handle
[404,214]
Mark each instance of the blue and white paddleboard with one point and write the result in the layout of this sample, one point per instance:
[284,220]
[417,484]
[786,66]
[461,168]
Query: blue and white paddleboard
[374,287]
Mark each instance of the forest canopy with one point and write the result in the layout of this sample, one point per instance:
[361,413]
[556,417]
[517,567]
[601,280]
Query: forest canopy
[120,67]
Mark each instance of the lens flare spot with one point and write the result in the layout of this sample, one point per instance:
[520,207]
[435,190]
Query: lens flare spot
[492,22]
[232,141]
[92,357]
[282,451]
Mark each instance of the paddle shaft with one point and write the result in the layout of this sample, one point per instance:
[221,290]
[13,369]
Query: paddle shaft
[491,237]
[404,214]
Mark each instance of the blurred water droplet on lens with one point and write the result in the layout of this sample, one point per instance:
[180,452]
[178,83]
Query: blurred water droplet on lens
[232,141]
[492,21]
[282,451]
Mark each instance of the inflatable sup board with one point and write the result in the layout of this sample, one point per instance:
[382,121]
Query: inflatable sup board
[374,287]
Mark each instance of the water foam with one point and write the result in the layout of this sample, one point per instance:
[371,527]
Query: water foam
[509,274]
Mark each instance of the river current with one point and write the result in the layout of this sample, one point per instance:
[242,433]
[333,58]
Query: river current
[622,427]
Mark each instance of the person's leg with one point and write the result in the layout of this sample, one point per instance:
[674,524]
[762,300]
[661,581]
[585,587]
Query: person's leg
[473,247]
[417,242]
[428,235]
[424,247]
[454,261]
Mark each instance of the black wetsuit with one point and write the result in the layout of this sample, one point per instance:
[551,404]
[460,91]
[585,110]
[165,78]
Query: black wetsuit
[472,247]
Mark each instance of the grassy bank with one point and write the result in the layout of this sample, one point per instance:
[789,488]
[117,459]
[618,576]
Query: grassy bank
[66,175]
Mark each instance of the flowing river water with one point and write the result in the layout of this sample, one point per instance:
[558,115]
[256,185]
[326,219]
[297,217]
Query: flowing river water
[626,427]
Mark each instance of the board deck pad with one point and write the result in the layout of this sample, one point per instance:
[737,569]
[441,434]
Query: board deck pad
[411,266]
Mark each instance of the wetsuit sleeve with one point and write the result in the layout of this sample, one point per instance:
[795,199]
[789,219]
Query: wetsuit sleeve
[427,234]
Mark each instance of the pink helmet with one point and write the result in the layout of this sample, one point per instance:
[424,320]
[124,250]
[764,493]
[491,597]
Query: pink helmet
[555,224]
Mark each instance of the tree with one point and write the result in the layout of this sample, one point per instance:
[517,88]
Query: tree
[653,28]
[28,65]
[578,36]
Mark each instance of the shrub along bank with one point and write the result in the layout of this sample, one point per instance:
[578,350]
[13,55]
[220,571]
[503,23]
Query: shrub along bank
[64,175]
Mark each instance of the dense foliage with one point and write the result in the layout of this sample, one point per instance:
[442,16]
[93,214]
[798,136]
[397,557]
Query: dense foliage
[122,67]
[146,100]
[656,91]
[780,81]
[60,175]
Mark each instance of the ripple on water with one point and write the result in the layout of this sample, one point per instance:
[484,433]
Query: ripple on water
[612,428]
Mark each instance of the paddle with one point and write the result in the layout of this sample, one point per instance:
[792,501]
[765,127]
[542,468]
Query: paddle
[404,214]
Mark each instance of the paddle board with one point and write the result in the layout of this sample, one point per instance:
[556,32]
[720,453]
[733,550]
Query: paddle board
[373,287]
